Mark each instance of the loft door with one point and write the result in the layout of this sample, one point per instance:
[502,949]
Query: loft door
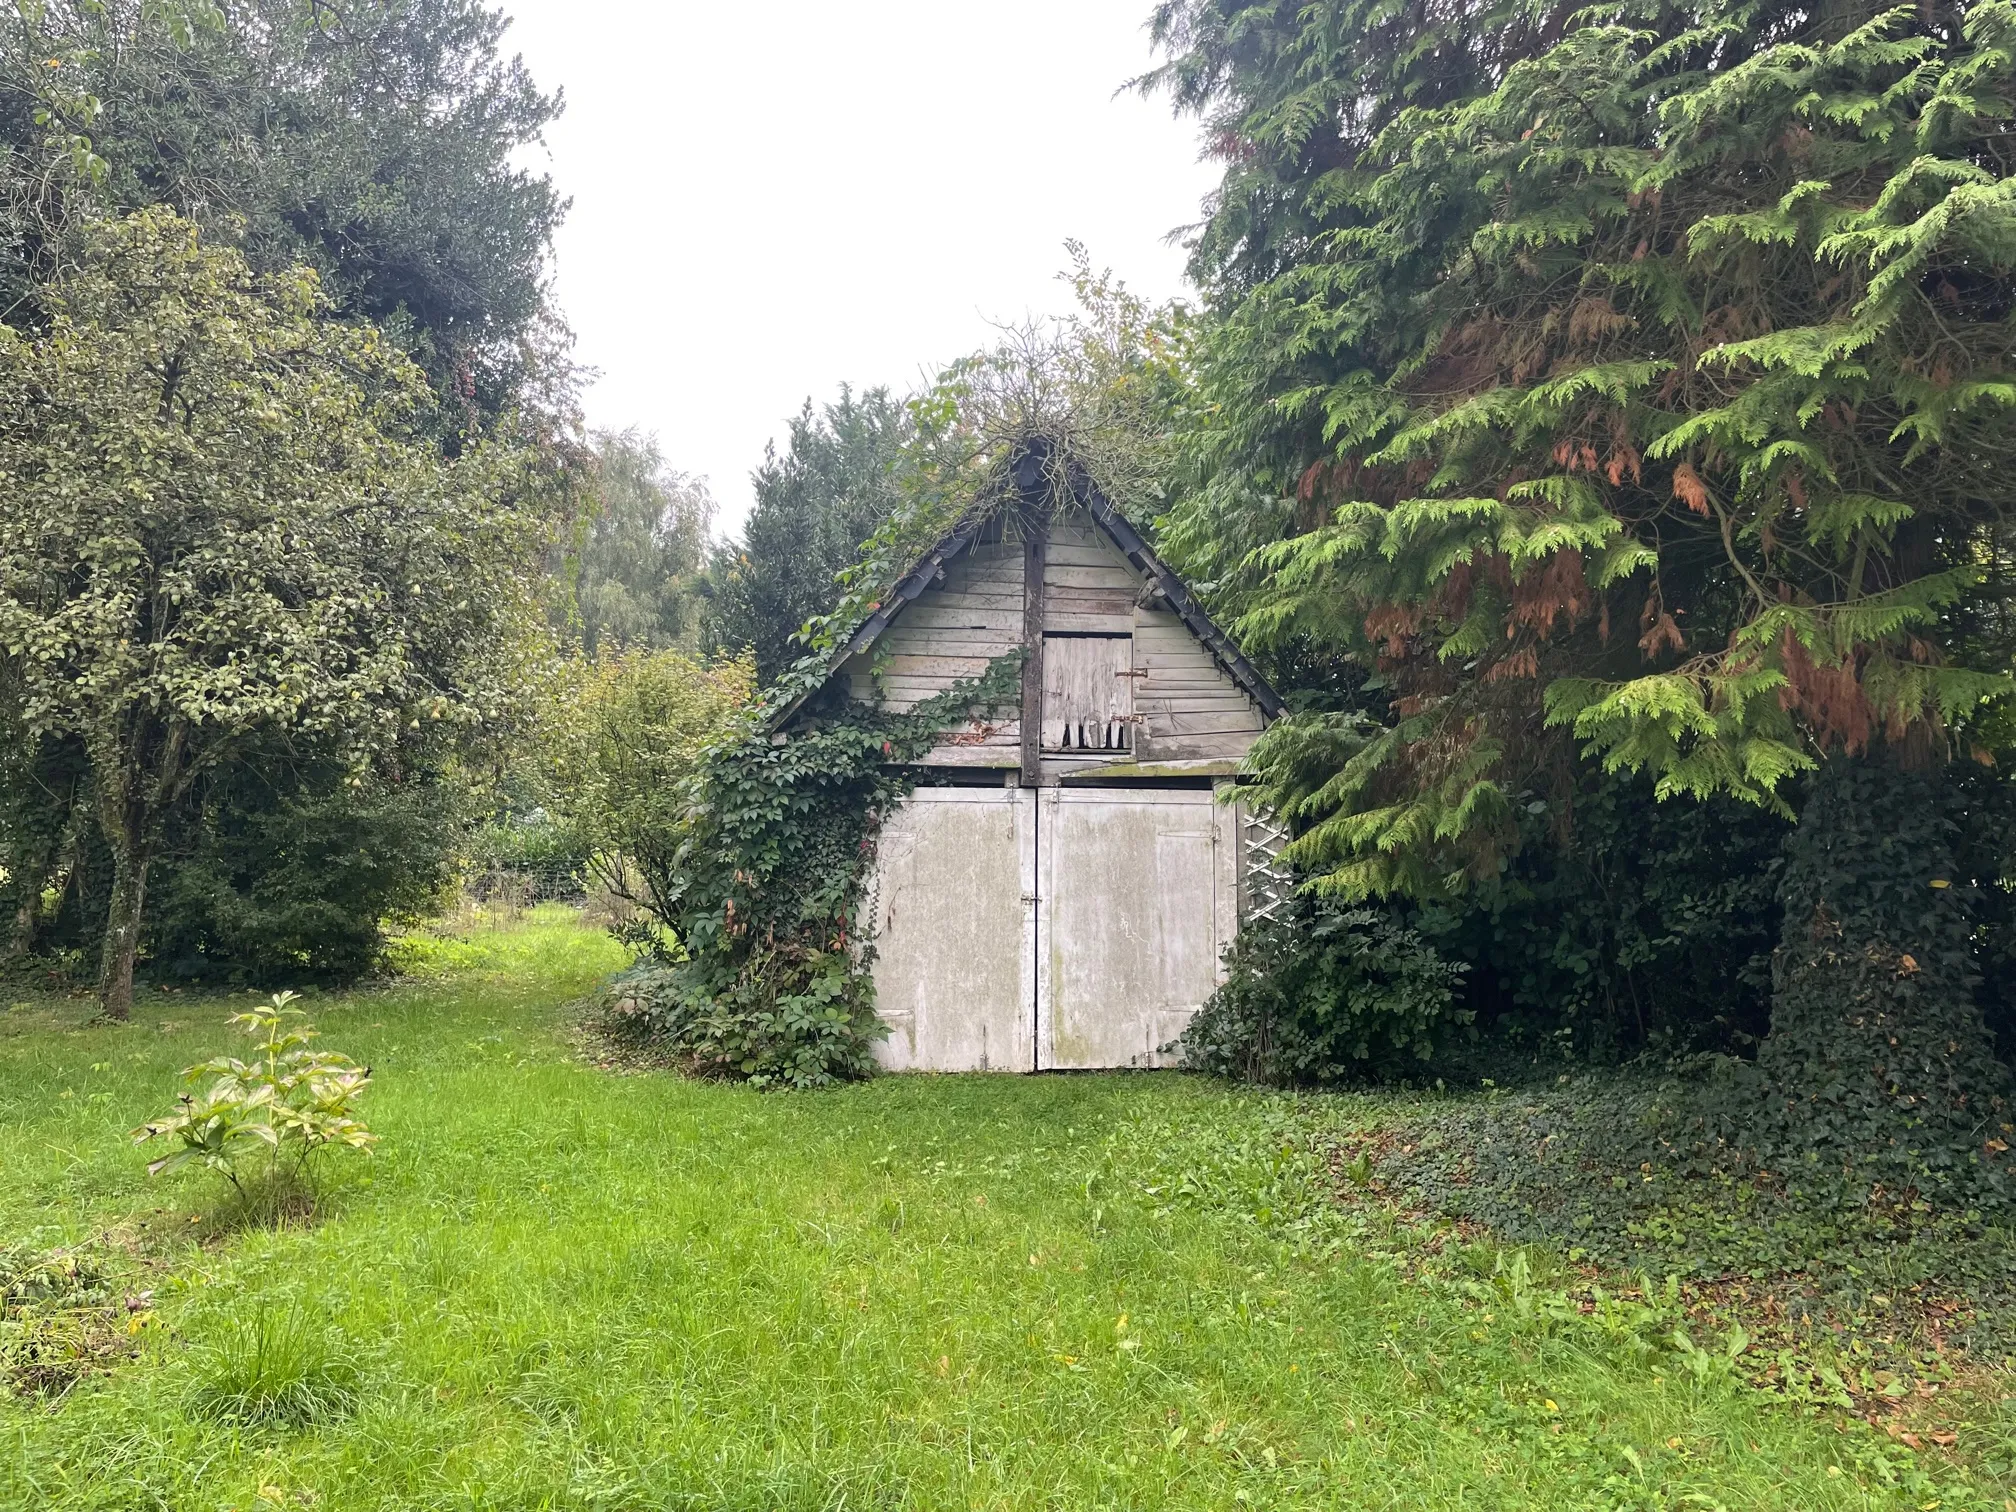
[1137,898]
[1088,692]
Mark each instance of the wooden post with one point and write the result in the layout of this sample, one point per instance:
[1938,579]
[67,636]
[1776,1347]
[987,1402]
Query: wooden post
[1035,554]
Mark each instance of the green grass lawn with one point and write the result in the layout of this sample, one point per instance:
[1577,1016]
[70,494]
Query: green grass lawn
[558,1287]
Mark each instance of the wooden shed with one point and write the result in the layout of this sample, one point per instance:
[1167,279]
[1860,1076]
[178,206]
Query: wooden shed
[1058,890]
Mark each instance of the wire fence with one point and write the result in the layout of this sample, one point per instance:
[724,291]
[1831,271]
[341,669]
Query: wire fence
[525,887]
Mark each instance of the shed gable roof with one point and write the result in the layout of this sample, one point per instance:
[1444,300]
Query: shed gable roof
[1126,540]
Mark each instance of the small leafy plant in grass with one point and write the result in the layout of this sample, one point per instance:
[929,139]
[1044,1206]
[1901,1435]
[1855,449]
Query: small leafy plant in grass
[263,1124]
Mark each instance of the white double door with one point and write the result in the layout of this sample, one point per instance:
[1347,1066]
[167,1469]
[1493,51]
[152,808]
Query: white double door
[1022,929]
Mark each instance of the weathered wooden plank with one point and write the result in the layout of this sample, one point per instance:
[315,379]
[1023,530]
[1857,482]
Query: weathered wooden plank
[1149,682]
[1174,652]
[1112,621]
[902,661]
[996,757]
[926,615]
[1217,722]
[987,596]
[988,643]
[1200,669]
[1162,635]
[1094,601]
[1188,659]
[1173,747]
[1231,702]
[1101,624]
[1113,576]
[1071,554]
[974,624]
[960,644]
[1157,662]
[948,667]
[1108,592]
[862,686]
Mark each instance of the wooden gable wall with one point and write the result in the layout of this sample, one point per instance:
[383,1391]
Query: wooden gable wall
[1186,709]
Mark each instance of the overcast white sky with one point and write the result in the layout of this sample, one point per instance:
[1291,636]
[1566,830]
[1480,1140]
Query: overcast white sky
[772,200]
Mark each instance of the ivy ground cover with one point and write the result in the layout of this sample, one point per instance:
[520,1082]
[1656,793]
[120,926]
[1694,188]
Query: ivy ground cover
[558,1286]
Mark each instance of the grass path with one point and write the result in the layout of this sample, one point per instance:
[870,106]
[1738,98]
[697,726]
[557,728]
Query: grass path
[563,1288]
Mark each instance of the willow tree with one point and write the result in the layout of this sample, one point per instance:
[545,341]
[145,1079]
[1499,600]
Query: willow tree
[225,522]
[1632,382]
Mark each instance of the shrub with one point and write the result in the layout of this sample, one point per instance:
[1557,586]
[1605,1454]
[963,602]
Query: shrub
[1621,923]
[804,1030]
[620,737]
[1325,995]
[262,1124]
[286,869]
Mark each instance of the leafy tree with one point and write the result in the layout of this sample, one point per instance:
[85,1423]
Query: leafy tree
[814,507]
[379,144]
[226,527]
[623,732]
[641,549]
[1634,377]
[375,143]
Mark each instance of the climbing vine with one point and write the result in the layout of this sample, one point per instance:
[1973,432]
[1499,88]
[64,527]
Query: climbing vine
[758,967]
[761,969]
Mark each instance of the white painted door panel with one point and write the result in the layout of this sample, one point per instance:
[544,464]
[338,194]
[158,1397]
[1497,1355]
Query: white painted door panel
[1138,898]
[955,919]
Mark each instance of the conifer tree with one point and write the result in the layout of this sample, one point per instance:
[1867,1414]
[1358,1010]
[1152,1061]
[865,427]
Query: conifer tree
[814,507]
[1631,381]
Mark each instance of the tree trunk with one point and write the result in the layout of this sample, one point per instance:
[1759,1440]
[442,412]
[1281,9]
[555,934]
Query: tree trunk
[27,921]
[1879,1059]
[122,929]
